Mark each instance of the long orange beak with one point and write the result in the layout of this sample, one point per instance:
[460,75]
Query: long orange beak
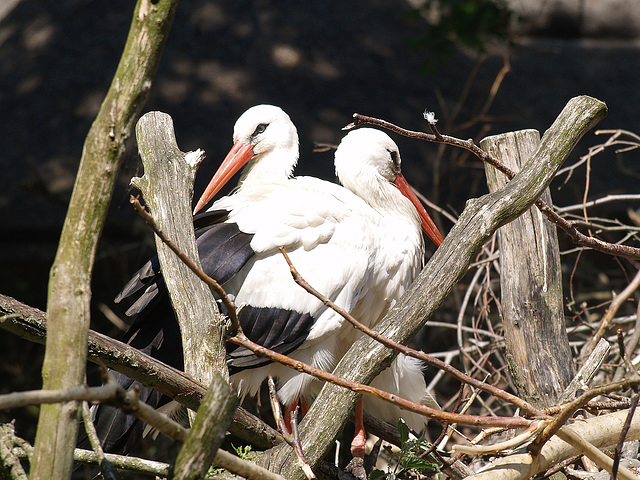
[237,158]
[427,224]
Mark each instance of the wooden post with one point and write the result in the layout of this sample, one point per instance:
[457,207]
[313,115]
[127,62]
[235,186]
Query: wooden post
[167,187]
[537,346]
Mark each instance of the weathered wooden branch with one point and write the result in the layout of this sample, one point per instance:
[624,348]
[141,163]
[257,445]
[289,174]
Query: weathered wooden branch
[447,266]
[537,345]
[207,432]
[69,292]
[167,187]
[30,323]
[578,438]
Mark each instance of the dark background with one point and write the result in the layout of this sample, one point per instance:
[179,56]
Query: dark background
[321,62]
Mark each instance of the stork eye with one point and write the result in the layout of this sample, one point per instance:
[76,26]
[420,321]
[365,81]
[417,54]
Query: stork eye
[394,158]
[259,129]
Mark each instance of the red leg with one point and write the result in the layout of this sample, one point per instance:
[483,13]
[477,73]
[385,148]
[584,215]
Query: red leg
[360,436]
[304,406]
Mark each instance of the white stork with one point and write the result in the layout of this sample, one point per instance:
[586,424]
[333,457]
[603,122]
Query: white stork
[367,162]
[339,241]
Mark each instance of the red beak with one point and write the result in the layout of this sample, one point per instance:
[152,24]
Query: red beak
[427,224]
[237,158]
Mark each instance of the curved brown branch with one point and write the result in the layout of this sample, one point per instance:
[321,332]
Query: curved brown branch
[568,227]
[473,420]
[435,362]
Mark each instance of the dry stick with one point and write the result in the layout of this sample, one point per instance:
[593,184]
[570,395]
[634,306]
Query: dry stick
[631,347]
[293,437]
[105,467]
[610,313]
[568,435]
[121,462]
[570,408]
[228,303]
[623,434]
[435,362]
[473,420]
[38,397]
[570,229]
[514,442]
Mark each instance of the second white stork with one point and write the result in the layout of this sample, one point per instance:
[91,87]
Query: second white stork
[368,163]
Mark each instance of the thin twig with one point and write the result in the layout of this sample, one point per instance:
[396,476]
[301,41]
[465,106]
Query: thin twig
[473,420]
[514,442]
[122,462]
[38,397]
[623,434]
[610,313]
[292,437]
[105,466]
[600,201]
[522,404]
[577,236]
[215,286]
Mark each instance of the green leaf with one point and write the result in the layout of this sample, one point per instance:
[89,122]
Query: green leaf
[403,429]
[377,474]
[417,462]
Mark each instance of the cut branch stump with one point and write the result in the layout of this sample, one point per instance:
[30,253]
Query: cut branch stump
[167,187]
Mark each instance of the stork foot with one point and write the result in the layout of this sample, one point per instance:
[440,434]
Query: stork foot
[287,416]
[356,468]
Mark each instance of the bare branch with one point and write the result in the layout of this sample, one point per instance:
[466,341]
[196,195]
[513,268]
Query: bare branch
[469,145]
[608,316]
[428,359]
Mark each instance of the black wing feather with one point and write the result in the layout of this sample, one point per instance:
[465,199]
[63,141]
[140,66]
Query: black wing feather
[276,329]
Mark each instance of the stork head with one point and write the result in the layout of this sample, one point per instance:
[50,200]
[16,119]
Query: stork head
[266,141]
[368,162]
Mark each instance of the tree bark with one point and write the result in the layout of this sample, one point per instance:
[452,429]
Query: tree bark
[600,432]
[69,283]
[537,345]
[167,187]
[480,218]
